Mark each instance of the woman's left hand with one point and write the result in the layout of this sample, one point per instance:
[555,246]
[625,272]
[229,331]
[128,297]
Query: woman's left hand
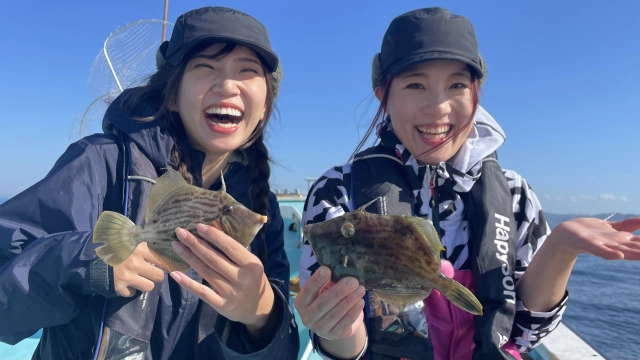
[239,289]
[608,240]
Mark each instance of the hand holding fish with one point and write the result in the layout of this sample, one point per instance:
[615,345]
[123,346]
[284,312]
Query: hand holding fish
[137,272]
[239,289]
[333,311]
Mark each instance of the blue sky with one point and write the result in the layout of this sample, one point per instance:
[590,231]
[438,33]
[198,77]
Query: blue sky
[563,84]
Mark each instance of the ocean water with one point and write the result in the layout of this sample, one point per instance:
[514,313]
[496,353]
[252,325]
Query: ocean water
[604,306]
[604,300]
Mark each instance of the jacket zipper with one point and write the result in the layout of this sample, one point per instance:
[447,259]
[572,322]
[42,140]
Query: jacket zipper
[435,205]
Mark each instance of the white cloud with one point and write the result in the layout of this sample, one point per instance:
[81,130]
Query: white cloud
[607,197]
[547,196]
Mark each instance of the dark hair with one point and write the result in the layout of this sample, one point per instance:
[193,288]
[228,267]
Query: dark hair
[163,87]
[385,84]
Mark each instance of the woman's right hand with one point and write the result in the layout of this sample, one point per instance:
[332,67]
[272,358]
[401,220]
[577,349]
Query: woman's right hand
[137,272]
[333,311]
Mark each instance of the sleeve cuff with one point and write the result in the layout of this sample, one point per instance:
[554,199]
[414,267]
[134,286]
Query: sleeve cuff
[326,356]
[241,346]
[544,314]
[101,279]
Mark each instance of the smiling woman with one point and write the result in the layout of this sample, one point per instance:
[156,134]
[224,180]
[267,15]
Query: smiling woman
[203,113]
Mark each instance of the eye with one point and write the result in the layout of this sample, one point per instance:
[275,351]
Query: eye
[459,86]
[415,86]
[204,65]
[348,230]
[250,70]
[227,209]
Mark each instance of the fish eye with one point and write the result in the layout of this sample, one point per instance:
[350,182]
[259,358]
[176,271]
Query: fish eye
[348,230]
[227,209]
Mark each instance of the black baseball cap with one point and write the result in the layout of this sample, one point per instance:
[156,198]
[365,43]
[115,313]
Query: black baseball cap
[216,23]
[428,34]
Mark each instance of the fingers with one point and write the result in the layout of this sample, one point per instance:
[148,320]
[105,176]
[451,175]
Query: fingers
[332,304]
[330,310]
[628,225]
[312,287]
[200,290]
[231,248]
[629,251]
[348,323]
[151,272]
[202,257]
[339,321]
[143,250]
[206,270]
[128,287]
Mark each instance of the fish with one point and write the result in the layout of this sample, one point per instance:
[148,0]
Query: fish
[174,203]
[294,285]
[396,256]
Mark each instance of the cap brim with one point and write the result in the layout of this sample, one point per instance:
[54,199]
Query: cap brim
[269,57]
[408,61]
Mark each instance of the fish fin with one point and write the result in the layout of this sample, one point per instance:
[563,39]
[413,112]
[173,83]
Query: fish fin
[294,285]
[401,301]
[428,232]
[119,235]
[363,207]
[169,264]
[461,297]
[165,185]
[224,186]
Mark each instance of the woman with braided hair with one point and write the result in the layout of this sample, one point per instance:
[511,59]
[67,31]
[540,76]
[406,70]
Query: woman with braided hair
[203,113]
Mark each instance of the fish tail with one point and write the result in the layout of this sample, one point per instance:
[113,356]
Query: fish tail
[119,235]
[461,297]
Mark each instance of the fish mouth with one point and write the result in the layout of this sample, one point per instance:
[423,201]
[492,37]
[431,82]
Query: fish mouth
[306,230]
[262,219]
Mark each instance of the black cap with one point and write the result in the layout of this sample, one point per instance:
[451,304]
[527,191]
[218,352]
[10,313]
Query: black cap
[215,23]
[428,34]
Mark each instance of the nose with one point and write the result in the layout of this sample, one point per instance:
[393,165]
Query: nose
[436,104]
[226,86]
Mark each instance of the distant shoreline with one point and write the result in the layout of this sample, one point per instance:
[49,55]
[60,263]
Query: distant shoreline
[553,219]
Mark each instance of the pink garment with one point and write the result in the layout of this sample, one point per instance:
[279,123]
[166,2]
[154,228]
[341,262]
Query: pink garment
[451,329]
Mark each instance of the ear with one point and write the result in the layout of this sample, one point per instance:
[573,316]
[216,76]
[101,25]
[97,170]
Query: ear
[379,92]
[173,107]
[264,112]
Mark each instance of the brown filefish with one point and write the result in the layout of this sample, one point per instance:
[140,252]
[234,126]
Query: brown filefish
[174,203]
[398,257]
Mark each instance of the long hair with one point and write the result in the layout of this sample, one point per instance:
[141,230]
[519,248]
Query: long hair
[385,84]
[163,87]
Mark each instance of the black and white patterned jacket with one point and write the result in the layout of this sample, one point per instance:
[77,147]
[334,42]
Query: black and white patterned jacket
[329,198]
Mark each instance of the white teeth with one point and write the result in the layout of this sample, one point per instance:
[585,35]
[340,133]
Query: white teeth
[431,130]
[431,133]
[224,125]
[223,111]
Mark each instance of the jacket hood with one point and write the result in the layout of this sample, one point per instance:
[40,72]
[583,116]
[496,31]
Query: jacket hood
[151,137]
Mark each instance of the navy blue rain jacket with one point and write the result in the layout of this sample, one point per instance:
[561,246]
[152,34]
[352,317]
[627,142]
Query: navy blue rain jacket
[51,277]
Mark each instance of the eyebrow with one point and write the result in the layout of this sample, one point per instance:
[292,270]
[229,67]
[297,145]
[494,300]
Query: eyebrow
[421,74]
[463,74]
[216,58]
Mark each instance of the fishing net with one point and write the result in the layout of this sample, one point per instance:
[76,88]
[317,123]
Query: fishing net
[127,59]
